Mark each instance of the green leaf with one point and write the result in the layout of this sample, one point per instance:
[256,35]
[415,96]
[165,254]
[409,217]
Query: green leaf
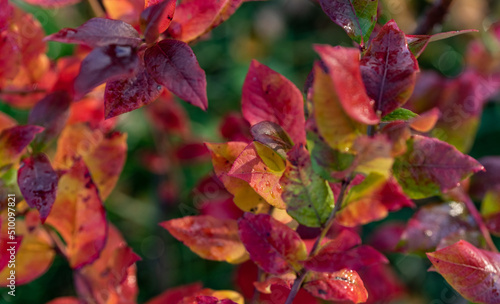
[308,197]
[399,114]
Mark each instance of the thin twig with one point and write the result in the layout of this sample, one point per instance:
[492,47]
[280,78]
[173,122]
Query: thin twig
[434,15]
[22,92]
[97,8]
[479,221]
[300,279]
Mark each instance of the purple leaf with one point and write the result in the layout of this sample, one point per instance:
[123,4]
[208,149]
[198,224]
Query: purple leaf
[37,181]
[51,113]
[389,69]
[99,32]
[103,64]
[127,94]
[173,64]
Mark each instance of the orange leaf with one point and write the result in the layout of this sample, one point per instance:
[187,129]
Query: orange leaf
[79,216]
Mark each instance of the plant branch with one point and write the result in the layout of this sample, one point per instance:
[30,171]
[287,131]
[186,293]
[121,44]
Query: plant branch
[434,15]
[97,8]
[480,223]
[22,92]
[300,279]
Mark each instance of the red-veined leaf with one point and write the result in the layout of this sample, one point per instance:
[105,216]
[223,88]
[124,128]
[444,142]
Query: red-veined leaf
[430,166]
[389,69]
[99,32]
[272,245]
[473,272]
[343,285]
[269,96]
[209,237]
[156,18]
[37,182]
[173,64]
[79,216]
[105,63]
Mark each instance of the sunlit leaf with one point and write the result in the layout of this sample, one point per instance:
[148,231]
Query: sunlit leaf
[343,285]
[209,237]
[79,216]
[473,272]
[272,135]
[156,18]
[14,140]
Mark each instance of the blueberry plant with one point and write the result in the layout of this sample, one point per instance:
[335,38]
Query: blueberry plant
[301,173]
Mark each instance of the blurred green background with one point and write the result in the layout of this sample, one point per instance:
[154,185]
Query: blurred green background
[280,34]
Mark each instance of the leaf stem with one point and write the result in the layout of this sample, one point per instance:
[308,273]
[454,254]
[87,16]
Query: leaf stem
[300,279]
[480,223]
[97,8]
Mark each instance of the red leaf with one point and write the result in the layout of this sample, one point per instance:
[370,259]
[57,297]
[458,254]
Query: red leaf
[169,116]
[156,18]
[275,247]
[130,93]
[473,272]
[343,285]
[98,32]
[431,166]
[51,4]
[37,181]
[176,294]
[6,121]
[344,69]
[209,237]
[112,277]
[433,223]
[14,140]
[262,170]
[103,64]
[269,96]
[79,216]
[418,43]
[235,128]
[173,64]
[382,283]
[387,236]
[339,254]
[389,69]
[64,300]
[51,113]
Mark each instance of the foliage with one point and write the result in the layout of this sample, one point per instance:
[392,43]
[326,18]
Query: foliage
[298,177]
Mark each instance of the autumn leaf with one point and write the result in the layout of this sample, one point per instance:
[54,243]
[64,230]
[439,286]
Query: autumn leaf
[262,169]
[418,43]
[99,32]
[223,157]
[269,96]
[37,182]
[308,197]
[272,245]
[209,237]
[473,272]
[13,141]
[389,69]
[273,136]
[173,64]
[343,285]
[431,166]
[156,18]
[104,154]
[79,216]
[176,294]
[356,17]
